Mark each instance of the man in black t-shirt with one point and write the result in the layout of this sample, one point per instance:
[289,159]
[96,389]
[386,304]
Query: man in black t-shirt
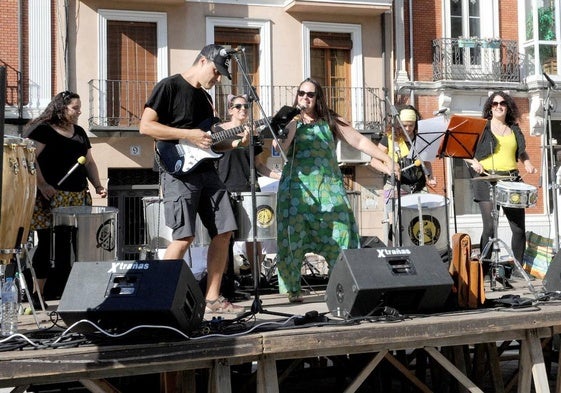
[181,110]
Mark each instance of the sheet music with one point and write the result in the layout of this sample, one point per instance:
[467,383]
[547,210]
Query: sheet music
[429,135]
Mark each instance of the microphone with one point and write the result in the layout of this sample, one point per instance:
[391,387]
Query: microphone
[229,52]
[416,163]
[81,161]
[441,111]
[551,83]
[285,115]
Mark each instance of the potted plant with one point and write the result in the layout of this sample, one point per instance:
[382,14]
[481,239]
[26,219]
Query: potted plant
[493,43]
[467,42]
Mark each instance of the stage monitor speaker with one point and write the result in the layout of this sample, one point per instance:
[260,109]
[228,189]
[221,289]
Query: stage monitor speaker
[552,279]
[409,279]
[123,294]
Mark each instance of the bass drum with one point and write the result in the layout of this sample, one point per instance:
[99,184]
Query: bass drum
[266,203]
[158,234]
[423,217]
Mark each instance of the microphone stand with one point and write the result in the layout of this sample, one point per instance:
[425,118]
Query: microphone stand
[256,306]
[395,183]
[413,153]
[551,153]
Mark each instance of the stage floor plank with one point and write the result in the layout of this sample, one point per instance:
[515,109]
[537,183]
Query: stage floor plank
[335,337]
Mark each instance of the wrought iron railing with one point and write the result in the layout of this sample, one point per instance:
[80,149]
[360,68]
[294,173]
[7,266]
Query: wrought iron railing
[117,105]
[476,59]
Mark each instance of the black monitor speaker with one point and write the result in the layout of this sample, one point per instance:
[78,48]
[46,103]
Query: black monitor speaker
[123,294]
[409,279]
[552,279]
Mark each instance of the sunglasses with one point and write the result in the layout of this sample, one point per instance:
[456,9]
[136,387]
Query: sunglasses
[310,94]
[240,106]
[497,103]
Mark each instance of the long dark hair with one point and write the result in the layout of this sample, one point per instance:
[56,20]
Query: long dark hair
[55,112]
[322,110]
[512,112]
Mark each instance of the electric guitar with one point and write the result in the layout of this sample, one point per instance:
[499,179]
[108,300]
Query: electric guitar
[180,157]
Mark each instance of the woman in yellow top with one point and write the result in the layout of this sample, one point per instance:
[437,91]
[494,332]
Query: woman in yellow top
[498,151]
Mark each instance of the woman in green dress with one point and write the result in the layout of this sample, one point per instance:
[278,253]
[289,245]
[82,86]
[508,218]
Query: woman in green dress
[314,213]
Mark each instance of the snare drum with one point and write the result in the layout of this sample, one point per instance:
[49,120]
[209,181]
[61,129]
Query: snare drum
[516,194]
[266,202]
[18,192]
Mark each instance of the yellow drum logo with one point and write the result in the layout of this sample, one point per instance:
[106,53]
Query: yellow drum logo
[265,216]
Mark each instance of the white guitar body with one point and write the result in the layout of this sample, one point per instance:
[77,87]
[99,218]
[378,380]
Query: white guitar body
[193,155]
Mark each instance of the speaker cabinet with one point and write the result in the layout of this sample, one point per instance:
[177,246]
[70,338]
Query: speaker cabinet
[123,294]
[552,279]
[409,279]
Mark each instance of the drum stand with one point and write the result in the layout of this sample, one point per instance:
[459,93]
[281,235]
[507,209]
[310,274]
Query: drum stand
[496,271]
[24,290]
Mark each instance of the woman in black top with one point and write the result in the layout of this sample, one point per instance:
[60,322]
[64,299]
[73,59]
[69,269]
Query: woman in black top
[60,144]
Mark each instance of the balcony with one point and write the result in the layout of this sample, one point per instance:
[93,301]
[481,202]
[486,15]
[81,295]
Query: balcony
[116,106]
[476,59]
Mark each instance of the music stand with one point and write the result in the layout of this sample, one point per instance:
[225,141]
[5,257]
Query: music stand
[461,137]
[460,140]
[429,135]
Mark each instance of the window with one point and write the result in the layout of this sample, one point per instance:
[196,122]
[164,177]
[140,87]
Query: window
[339,38]
[131,70]
[541,38]
[121,34]
[465,24]
[233,37]
[246,35]
[330,66]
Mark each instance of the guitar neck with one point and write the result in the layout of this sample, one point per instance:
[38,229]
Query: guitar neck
[232,132]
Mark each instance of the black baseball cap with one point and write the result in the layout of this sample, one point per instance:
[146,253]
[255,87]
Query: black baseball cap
[218,55]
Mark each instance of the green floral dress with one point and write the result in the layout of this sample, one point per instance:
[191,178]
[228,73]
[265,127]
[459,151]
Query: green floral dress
[314,213]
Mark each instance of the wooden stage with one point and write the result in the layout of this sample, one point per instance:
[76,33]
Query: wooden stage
[469,347]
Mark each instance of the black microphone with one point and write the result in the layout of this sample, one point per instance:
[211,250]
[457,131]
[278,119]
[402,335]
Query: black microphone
[441,111]
[81,161]
[285,115]
[551,83]
[229,52]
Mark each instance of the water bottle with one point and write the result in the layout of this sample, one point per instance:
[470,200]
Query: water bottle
[9,308]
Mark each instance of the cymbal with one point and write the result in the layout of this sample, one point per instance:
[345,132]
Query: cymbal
[491,178]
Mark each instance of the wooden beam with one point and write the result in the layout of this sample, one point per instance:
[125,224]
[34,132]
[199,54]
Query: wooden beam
[220,381]
[98,386]
[267,380]
[448,366]
[361,377]
[407,373]
[539,372]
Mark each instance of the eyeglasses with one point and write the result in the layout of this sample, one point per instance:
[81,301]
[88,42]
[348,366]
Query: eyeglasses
[310,94]
[240,106]
[497,103]
[65,94]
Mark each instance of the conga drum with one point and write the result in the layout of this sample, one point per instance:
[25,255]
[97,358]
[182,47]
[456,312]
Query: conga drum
[18,194]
